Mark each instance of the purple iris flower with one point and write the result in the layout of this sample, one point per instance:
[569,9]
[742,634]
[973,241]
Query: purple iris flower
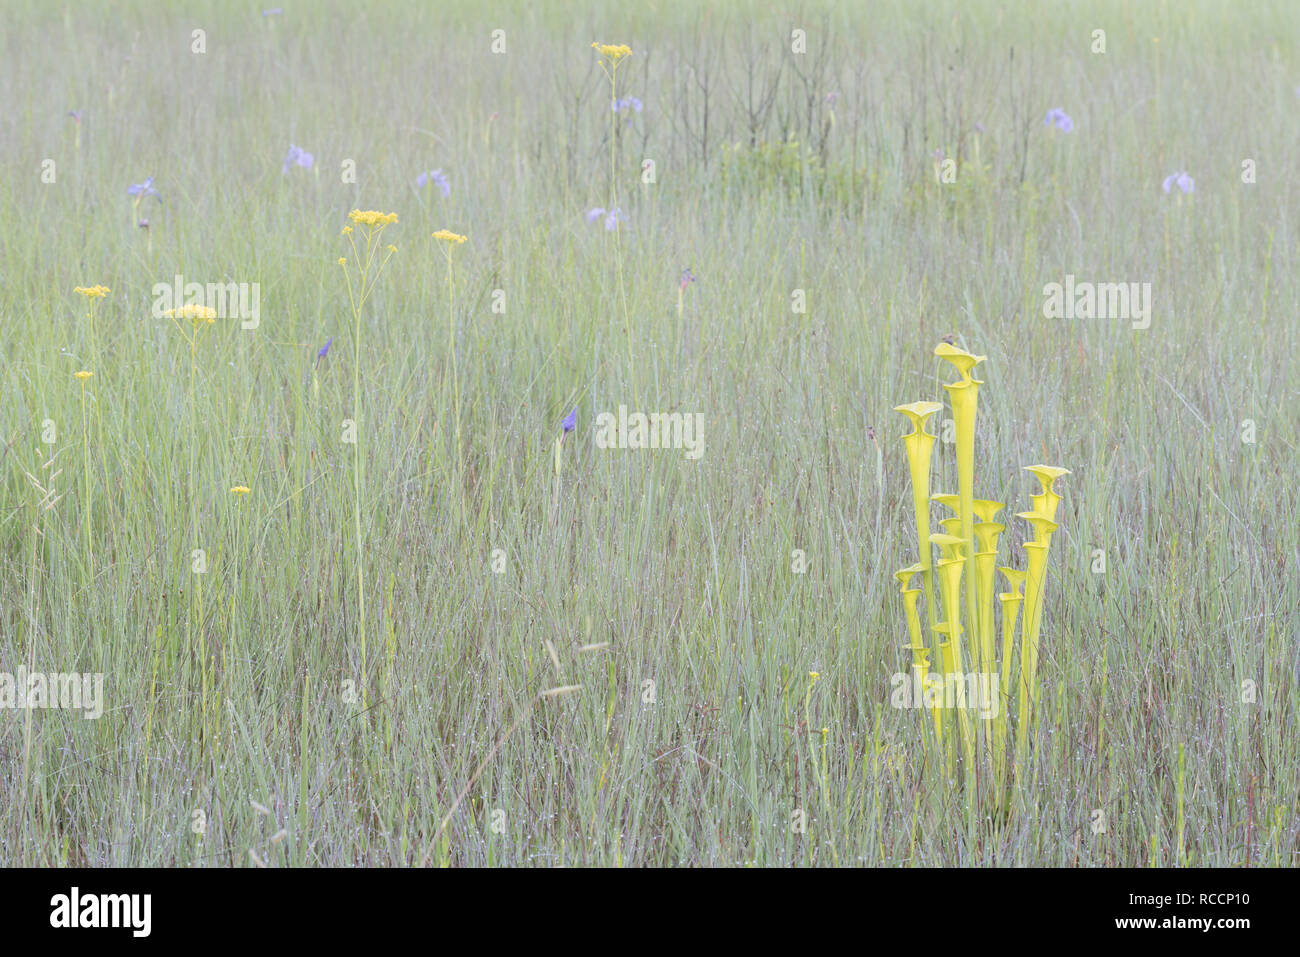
[143,189]
[595,213]
[273,12]
[570,421]
[613,218]
[299,157]
[1180,179]
[438,178]
[1060,119]
[324,350]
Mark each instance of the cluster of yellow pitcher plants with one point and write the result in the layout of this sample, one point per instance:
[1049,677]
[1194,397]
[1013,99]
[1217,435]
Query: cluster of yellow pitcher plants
[963,579]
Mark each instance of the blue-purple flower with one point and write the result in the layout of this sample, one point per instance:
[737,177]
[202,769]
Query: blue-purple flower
[613,218]
[570,421]
[1180,179]
[298,157]
[324,350]
[1060,119]
[437,178]
[141,190]
[595,213]
[628,102]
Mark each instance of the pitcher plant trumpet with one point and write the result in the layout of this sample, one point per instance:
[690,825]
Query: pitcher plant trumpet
[920,446]
[920,653]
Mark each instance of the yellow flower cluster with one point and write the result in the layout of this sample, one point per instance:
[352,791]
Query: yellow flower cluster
[240,490]
[83,375]
[372,218]
[93,292]
[613,52]
[192,311]
[446,235]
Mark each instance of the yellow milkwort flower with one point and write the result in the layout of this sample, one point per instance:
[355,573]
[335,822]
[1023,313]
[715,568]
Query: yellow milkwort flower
[613,52]
[240,490]
[93,292]
[392,248]
[343,261]
[814,675]
[447,236]
[347,230]
[83,375]
[192,311]
[371,217]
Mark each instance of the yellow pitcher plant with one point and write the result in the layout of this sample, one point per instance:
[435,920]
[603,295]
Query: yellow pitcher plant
[920,653]
[959,588]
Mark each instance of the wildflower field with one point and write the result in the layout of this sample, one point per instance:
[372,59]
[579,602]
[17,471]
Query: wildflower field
[464,434]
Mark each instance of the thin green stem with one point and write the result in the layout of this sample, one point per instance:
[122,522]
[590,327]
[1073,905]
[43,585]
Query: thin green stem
[85,449]
[455,375]
[357,486]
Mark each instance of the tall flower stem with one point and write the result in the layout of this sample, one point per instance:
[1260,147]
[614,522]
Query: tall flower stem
[368,272]
[451,355]
[198,318]
[194,534]
[88,518]
[610,57]
[358,490]
[452,240]
[92,295]
[614,211]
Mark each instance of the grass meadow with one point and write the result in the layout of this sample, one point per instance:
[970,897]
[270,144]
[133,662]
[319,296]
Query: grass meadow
[640,658]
